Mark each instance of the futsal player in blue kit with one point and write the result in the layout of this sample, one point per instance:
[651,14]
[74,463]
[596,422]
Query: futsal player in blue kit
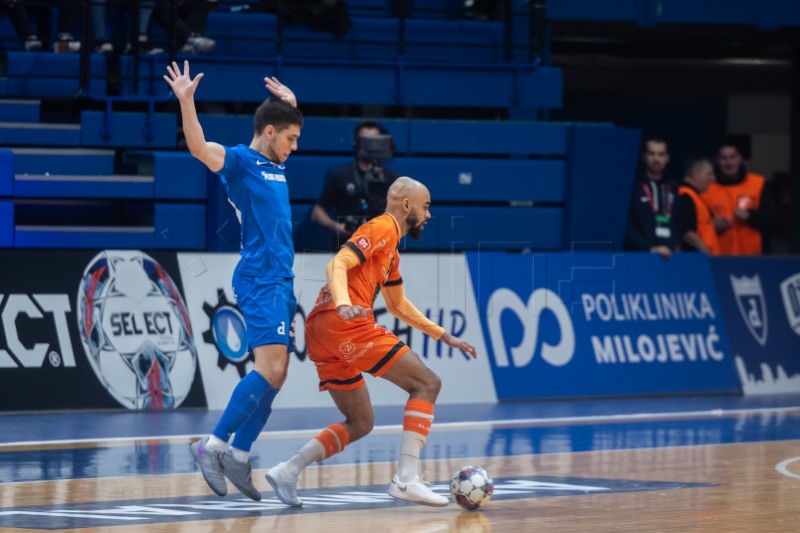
[253,177]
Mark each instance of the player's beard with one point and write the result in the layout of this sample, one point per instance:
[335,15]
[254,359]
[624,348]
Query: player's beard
[414,226]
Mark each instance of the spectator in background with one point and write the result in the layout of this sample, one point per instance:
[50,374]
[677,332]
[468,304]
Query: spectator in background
[357,191]
[66,23]
[18,14]
[190,24]
[741,203]
[693,224]
[649,222]
[104,40]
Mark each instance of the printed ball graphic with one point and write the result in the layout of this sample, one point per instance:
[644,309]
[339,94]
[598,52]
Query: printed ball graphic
[472,487]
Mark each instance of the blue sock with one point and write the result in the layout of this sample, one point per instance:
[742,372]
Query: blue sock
[243,403]
[249,431]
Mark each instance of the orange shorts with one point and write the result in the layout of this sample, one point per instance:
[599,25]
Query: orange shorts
[342,349]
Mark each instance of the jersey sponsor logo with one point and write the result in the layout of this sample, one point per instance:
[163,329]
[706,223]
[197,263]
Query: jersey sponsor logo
[750,300]
[269,176]
[260,162]
[363,243]
[148,512]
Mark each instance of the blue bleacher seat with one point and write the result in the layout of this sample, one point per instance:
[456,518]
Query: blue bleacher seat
[6,224]
[59,161]
[125,129]
[39,134]
[20,110]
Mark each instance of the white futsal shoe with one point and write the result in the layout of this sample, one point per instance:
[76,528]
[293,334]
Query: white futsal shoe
[416,491]
[284,484]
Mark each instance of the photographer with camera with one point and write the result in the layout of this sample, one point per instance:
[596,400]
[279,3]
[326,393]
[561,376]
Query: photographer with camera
[357,191]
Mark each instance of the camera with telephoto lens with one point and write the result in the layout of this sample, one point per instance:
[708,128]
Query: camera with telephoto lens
[374,148]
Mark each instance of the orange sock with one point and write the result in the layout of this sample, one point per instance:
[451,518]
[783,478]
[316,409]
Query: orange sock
[417,420]
[333,438]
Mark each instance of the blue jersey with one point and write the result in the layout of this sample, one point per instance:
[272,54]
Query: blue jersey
[258,189]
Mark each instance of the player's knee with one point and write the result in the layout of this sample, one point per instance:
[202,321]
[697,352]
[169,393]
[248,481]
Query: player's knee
[434,384]
[275,374]
[360,426]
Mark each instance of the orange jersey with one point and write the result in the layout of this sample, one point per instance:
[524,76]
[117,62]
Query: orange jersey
[375,243]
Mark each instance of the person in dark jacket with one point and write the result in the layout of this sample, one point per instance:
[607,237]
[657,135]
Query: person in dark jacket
[649,222]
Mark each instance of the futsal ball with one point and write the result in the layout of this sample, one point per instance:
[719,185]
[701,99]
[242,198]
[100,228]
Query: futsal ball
[135,330]
[472,487]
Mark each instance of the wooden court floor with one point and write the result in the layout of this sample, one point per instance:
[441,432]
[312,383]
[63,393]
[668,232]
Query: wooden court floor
[669,465]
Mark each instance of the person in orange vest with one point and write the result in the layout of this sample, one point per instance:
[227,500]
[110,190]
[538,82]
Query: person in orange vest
[692,219]
[740,203]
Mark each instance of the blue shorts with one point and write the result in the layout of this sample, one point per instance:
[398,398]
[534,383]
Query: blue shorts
[268,305]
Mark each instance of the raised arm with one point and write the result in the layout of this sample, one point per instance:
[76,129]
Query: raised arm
[210,153]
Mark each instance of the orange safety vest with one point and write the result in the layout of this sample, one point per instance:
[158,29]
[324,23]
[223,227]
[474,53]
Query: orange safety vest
[705,228]
[740,238]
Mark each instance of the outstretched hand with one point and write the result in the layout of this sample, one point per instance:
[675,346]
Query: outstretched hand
[455,342]
[281,91]
[182,84]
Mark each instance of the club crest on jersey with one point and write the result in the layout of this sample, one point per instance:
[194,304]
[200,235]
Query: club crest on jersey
[347,347]
[363,243]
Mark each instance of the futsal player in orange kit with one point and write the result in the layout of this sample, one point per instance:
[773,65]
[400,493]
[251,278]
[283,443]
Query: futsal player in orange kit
[344,340]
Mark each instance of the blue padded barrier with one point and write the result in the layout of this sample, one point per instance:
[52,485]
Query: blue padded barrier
[83,162]
[486,180]
[336,134]
[491,228]
[379,82]
[600,177]
[318,134]
[52,186]
[20,110]
[449,179]
[83,237]
[125,129]
[6,172]
[6,224]
[38,134]
[180,226]
[484,137]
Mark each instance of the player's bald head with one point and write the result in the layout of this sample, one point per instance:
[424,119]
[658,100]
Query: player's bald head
[404,187]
